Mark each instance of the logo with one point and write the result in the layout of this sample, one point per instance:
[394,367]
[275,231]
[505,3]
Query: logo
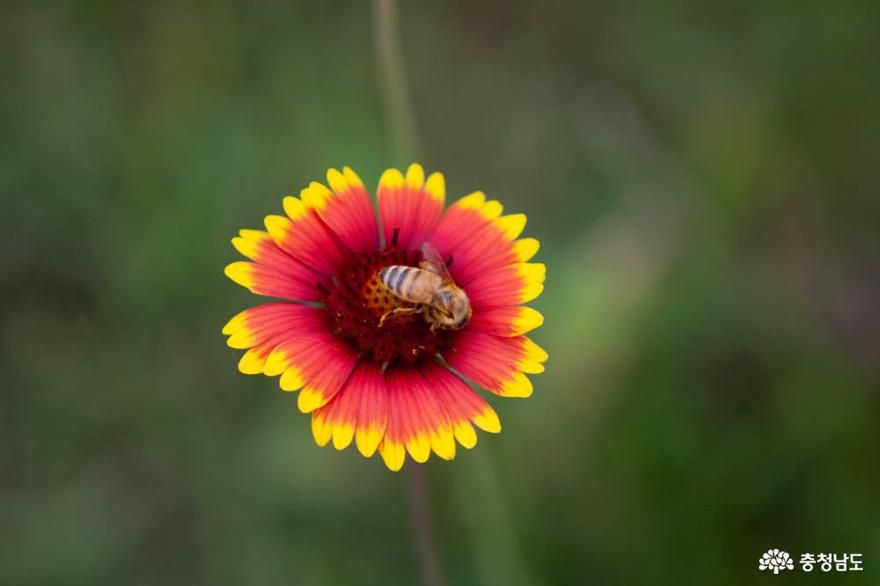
[776,560]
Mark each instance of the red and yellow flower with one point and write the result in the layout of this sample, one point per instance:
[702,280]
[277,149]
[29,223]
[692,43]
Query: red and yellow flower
[400,386]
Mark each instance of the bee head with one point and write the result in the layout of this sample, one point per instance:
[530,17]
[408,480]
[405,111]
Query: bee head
[451,309]
[456,309]
[460,307]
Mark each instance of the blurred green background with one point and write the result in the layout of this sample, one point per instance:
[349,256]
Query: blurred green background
[702,176]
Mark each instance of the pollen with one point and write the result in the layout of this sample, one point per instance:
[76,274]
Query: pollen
[356,300]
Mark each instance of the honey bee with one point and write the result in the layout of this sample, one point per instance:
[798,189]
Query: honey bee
[442,303]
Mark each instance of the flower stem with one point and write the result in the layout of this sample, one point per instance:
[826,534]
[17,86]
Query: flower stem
[399,112]
[423,527]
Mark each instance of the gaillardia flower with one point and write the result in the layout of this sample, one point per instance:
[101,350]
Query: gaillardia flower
[370,366]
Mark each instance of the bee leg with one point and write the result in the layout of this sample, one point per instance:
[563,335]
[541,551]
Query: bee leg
[398,311]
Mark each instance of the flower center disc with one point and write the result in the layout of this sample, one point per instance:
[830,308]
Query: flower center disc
[356,301]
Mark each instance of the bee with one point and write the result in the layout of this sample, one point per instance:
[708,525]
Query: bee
[443,304]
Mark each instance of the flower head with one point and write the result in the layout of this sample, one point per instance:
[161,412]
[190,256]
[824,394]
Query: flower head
[370,357]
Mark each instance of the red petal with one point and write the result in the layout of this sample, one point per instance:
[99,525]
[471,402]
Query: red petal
[346,208]
[506,321]
[306,354]
[358,410]
[317,364]
[268,321]
[506,285]
[461,403]
[274,272]
[478,238]
[417,421]
[410,205]
[496,363]
[305,237]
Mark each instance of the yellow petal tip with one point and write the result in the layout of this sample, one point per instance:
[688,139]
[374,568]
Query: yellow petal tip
[443,444]
[533,351]
[336,180]
[322,431]
[472,201]
[511,225]
[435,186]
[251,362]
[419,448]
[309,399]
[519,386]
[527,320]
[236,323]
[293,207]
[343,433]
[367,440]
[391,179]
[352,178]
[316,195]
[415,176]
[291,380]
[246,245]
[393,455]
[240,272]
[526,248]
[465,434]
[492,209]
[488,421]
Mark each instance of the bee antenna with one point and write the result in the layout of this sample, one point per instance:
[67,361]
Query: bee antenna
[394,236]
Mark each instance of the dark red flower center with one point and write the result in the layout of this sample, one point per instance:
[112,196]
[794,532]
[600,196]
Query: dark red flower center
[356,300]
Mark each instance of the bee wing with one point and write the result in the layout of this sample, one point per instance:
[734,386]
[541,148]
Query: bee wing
[432,261]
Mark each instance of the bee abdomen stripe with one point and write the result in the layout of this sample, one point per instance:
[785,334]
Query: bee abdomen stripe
[387,276]
[411,283]
[399,277]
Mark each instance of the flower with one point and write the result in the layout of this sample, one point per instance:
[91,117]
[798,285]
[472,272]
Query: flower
[395,386]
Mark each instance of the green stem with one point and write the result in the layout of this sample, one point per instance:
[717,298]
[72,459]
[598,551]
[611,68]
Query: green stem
[401,122]
[422,526]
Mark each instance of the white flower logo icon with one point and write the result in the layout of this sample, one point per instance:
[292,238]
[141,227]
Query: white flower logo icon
[776,560]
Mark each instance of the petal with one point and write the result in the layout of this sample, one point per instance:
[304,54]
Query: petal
[497,364]
[265,280]
[303,235]
[372,411]
[506,321]
[435,419]
[271,321]
[346,208]
[403,432]
[274,272]
[253,360]
[357,411]
[410,205]
[478,238]
[316,364]
[525,248]
[417,422]
[462,404]
[507,285]
[304,351]
[392,445]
